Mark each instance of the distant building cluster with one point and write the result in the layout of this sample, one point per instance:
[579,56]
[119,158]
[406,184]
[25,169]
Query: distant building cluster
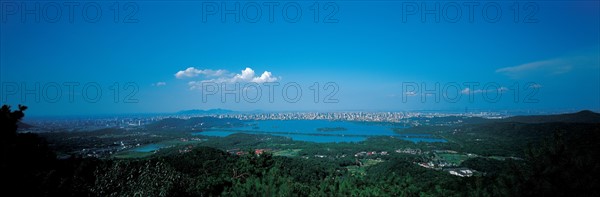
[410,151]
[87,124]
[370,153]
[135,121]
[392,117]
[462,172]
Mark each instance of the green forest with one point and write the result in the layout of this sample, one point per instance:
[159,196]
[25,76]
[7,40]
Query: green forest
[512,158]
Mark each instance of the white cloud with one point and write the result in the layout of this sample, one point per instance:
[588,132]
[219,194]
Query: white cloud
[219,76]
[535,86]
[503,89]
[469,91]
[477,91]
[410,93]
[195,85]
[265,77]
[548,67]
[248,75]
[465,91]
[193,72]
[160,83]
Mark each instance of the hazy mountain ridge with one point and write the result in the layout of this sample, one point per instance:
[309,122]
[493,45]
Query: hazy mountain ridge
[584,116]
[210,111]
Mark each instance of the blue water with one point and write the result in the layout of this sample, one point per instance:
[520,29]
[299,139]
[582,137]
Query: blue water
[297,137]
[306,130]
[148,148]
[311,126]
[214,133]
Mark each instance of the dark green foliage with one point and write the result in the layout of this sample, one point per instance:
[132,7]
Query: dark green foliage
[24,156]
[486,165]
[558,168]
[9,120]
[400,176]
[137,178]
[554,159]
[584,116]
[245,141]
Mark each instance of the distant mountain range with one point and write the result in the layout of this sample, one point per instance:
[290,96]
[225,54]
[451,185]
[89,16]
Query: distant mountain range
[210,111]
[584,116]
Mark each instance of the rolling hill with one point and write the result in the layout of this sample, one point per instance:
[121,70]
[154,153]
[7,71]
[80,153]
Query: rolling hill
[584,116]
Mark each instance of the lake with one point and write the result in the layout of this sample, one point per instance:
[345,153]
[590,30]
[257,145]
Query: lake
[321,131]
[148,148]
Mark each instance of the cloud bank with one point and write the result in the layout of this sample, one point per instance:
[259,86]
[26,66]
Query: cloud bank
[545,67]
[223,76]
[160,83]
[193,72]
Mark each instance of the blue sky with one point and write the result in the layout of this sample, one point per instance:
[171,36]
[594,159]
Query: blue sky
[362,51]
